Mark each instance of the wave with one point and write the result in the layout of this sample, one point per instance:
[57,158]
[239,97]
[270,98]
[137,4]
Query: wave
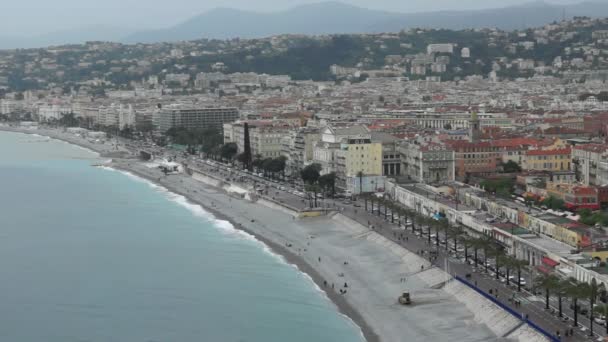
[197,210]
[228,228]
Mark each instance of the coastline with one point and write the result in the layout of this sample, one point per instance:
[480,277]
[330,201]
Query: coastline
[289,257]
[373,310]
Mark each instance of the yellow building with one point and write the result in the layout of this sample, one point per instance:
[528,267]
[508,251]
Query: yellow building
[363,157]
[548,160]
[357,157]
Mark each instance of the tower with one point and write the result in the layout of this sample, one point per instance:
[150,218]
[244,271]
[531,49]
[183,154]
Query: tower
[474,128]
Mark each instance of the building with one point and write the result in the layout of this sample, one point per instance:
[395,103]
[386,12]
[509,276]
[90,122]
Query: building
[474,159]
[474,128]
[193,118]
[427,162]
[359,165]
[547,160]
[391,158]
[439,48]
[580,197]
[266,137]
[325,150]
[299,148]
[591,163]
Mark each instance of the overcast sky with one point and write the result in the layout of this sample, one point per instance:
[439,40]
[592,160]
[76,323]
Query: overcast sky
[32,17]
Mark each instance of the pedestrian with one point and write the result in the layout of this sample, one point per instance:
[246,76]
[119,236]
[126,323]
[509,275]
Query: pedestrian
[325,283]
[319,259]
[332,286]
[345,285]
[421,267]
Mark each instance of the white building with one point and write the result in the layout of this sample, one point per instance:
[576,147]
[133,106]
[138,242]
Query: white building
[439,48]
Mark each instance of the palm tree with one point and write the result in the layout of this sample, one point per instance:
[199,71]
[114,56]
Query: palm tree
[602,310]
[380,201]
[399,211]
[549,282]
[577,291]
[387,203]
[592,294]
[509,263]
[499,257]
[456,232]
[487,244]
[560,290]
[476,244]
[360,175]
[466,242]
[444,225]
[430,222]
[519,264]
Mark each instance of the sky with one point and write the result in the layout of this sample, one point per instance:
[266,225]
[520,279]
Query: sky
[37,17]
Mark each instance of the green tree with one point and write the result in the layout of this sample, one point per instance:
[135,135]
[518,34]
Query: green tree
[549,283]
[511,167]
[228,151]
[311,173]
[328,182]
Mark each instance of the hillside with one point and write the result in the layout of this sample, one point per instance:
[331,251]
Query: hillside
[336,17]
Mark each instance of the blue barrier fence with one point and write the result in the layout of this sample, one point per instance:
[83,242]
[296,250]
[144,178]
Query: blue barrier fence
[517,315]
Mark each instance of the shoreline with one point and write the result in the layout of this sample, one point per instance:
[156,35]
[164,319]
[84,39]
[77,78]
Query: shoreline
[370,310]
[289,257]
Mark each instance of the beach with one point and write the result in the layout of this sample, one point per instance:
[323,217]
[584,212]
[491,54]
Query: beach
[334,252]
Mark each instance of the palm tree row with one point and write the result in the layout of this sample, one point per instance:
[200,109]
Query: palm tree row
[571,288]
[455,233]
[562,288]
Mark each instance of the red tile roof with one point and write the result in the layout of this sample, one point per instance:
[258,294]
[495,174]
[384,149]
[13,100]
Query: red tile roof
[561,151]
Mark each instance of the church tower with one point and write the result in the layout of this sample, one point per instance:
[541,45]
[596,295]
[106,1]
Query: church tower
[474,128]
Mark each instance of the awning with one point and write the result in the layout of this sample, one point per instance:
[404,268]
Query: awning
[543,269]
[550,262]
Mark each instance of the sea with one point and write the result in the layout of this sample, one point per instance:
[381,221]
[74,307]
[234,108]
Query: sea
[94,254]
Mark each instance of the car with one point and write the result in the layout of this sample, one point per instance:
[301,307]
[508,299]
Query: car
[347,202]
[357,205]
[600,320]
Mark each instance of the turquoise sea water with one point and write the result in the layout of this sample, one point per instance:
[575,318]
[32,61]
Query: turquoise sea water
[88,254]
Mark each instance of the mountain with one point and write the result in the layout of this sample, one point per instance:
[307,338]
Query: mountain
[73,36]
[222,23]
[336,17]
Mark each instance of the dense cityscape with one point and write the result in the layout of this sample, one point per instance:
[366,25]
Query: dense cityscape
[488,145]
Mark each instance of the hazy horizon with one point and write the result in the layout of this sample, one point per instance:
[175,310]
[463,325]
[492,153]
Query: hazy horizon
[38,17]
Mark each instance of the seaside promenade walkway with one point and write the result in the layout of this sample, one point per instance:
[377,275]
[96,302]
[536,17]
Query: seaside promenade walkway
[528,305]
[531,305]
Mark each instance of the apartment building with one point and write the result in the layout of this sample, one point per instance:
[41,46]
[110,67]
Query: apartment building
[193,118]
[548,160]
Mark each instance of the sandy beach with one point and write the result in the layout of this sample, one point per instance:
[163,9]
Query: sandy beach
[334,252]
